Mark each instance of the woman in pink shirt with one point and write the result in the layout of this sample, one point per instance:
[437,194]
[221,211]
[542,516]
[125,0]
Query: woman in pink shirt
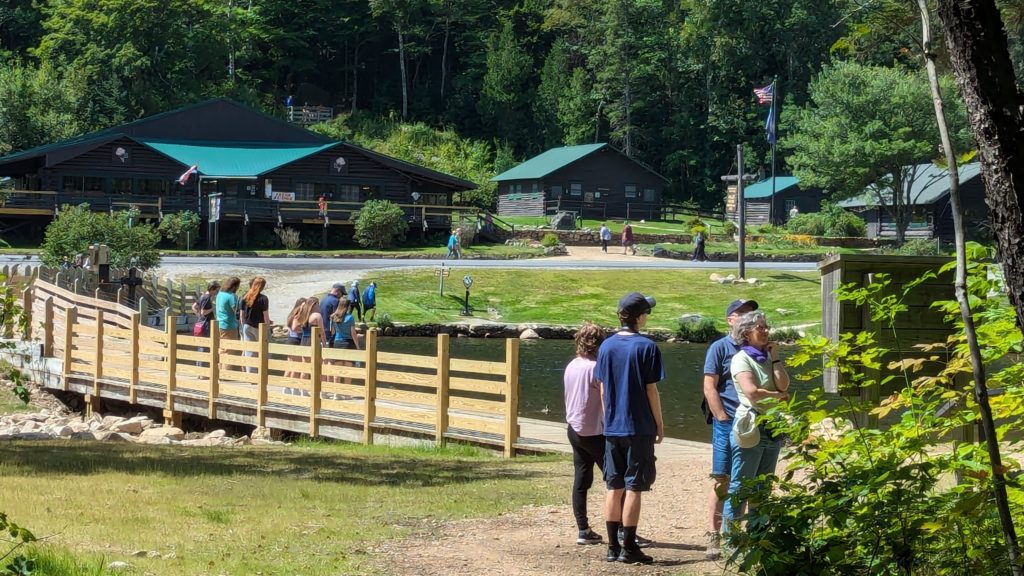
[585,415]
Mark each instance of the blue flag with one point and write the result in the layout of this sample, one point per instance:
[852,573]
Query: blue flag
[769,126]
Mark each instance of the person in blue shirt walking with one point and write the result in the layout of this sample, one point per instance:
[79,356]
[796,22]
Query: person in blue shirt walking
[327,308]
[354,304]
[719,407]
[370,302]
[629,367]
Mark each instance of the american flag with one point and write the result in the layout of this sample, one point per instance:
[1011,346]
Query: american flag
[184,178]
[765,95]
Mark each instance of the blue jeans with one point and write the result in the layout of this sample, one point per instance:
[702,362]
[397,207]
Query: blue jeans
[721,448]
[748,463]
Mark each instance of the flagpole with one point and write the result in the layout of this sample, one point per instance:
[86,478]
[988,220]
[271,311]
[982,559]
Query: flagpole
[775,119]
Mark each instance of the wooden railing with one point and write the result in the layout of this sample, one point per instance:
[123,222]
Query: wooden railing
[107,352]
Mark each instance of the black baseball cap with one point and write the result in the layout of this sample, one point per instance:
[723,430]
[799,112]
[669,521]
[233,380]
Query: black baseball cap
[338,286]
[636,303]
[737,304]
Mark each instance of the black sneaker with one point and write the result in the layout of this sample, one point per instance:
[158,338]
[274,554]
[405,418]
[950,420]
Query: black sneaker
[588,536]
[613,553]
[641,542]
[635,556]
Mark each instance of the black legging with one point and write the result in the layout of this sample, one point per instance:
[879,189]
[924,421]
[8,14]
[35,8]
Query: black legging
[586,451]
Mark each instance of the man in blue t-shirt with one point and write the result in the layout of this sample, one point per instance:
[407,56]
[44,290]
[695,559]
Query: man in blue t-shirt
[629,368]
[327,307]
[719,406]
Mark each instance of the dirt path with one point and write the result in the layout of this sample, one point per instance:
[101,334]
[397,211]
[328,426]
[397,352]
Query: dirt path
[542,540]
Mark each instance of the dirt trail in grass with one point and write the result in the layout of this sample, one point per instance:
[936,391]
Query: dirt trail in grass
[542,540]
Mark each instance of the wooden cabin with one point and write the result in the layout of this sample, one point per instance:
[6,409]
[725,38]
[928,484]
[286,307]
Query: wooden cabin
[592,180]
[256,168]
[932,215]
[767,204]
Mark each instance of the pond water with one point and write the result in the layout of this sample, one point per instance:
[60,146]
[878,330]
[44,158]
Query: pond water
[542,362]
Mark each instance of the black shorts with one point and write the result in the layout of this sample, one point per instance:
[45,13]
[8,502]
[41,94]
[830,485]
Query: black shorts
[629,462]
[344,344]
[295,340]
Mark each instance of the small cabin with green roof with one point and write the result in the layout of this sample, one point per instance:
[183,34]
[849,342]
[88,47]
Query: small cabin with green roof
[593,180]
[765,205]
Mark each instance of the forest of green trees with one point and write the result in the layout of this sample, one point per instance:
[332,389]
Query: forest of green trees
[668,81]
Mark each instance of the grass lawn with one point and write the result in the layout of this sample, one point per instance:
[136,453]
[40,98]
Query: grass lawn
[307,509]
[479,250]
[568,297]
[779,248]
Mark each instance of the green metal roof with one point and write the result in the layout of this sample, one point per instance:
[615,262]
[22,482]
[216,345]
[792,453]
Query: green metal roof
[235,159]
[763,189]
[541,165]
[931,182]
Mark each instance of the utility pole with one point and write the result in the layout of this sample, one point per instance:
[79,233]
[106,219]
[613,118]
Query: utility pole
[739,179]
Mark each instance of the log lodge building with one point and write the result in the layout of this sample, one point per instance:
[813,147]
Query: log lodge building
[250,170]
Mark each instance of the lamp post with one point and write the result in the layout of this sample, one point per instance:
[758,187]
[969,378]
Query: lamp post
[467,281]
[415,208]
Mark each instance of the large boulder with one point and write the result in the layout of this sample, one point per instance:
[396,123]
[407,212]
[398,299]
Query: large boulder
[563,221]
[160,434]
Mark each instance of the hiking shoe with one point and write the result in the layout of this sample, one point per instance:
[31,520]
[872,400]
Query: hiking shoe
[634,556]
[613,553]
[713,546]
[641,542]
[588,536]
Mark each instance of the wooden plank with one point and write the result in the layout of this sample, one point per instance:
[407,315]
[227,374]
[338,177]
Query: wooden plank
[229,375]
[411,360]
[114,332]
[191,370]
[369,411]
[288,366]
[486,425]
[511,432]
[195,341]
[406,415]
[172,360]
[474,385]
[404,396]
[239,361]
[97,374]
[442,398]
[289,350]
[288,400]
[69,336]
[263,372]
[337,354]
[343,389]
[81,368]
[192,355]
[238,390]
[476,405]
[117,372]
[339,371]
[49,329]
[239,346]
[478,367]
[350,406]
[211,410]
[406,378]
[153,365]
[316,365]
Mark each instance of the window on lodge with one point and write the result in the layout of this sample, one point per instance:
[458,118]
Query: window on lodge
[649,194]
[433,199]
[305,191]
[576,189]
[83,184]
[630,190]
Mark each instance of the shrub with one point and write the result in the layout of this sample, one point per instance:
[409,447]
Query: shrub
[380,223]
[549,240]
[694,222]
[916,247]
[385,321]
[289,237]
[131,243]
[785,334]
[729,228]
[770,229]
[831,221]
[181,228]
[697,329]
[811,223]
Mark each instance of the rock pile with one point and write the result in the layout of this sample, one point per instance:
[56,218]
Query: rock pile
[50,425]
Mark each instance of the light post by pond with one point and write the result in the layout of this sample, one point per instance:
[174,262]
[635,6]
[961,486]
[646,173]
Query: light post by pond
[467,281]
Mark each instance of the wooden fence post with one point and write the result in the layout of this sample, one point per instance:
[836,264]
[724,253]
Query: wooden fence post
[70,317]
[511,396]
[170,322]
[443,370]
[144,311]
[316,358]
[133,377]
[48,326]
[264,358]
[370,413]
[97,368]
[26,305]
[214,367]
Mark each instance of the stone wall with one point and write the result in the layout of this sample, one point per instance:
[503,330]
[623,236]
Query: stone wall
[588,237]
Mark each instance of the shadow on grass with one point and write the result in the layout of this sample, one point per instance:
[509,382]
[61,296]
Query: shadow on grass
[793,278]
[360,467]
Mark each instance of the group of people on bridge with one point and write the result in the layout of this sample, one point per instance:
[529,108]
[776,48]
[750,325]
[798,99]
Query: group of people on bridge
[613,411]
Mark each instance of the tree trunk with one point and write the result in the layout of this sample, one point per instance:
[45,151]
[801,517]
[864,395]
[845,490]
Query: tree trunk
[355,76]
[401,65]
[984,73]
[960,284]
[444,49]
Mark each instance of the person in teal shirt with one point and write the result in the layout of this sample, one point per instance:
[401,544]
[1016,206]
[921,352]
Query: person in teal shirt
[226,309]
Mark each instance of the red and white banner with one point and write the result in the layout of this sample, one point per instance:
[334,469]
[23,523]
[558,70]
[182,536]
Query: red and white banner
[184,178]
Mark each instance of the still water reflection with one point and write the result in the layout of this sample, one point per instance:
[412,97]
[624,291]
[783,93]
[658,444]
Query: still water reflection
[542,362]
